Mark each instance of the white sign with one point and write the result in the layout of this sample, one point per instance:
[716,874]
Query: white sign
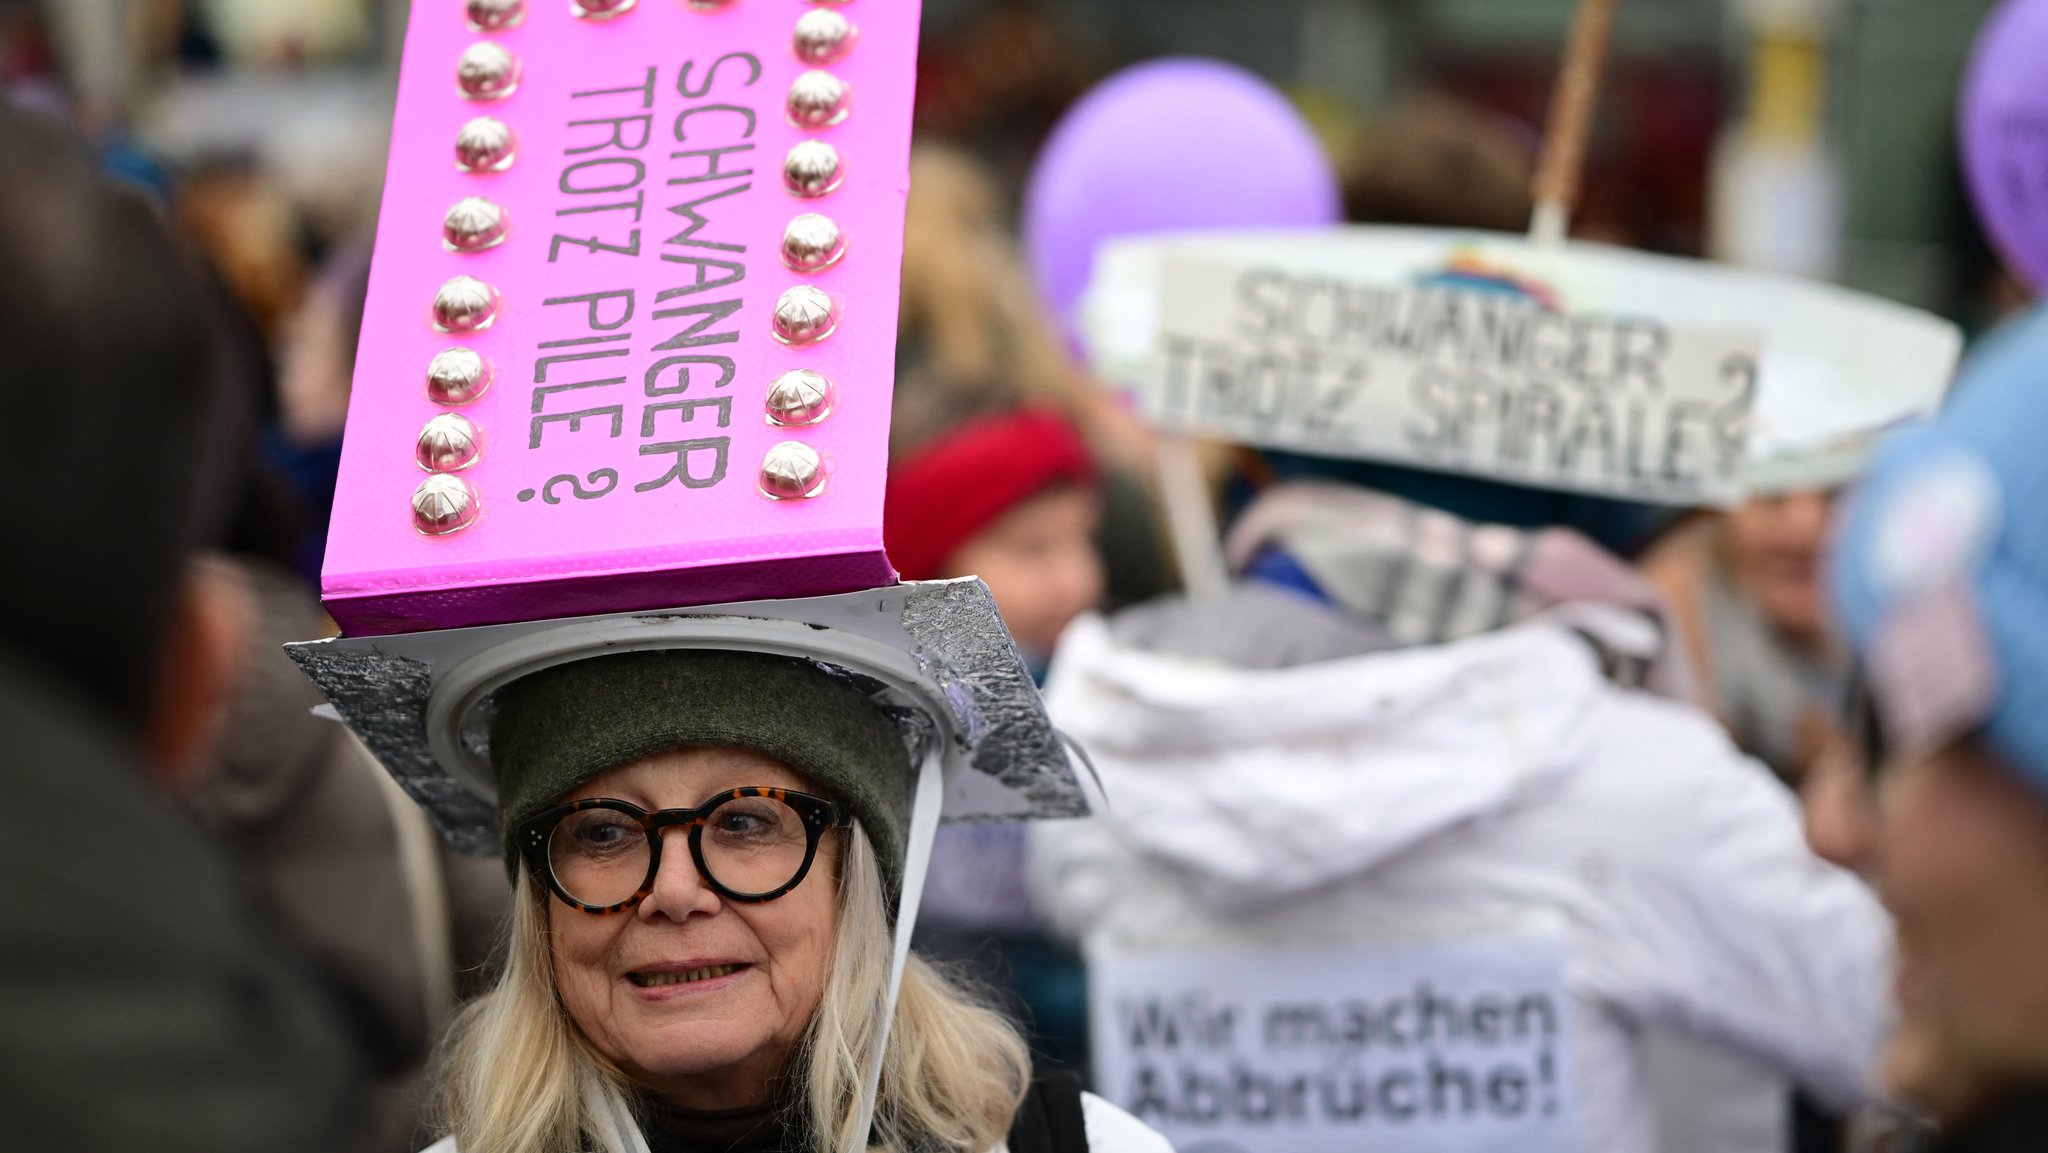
[1442,1047]
[1837,367]
[1453,378]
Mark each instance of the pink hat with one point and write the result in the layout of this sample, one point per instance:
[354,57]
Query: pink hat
[625,381]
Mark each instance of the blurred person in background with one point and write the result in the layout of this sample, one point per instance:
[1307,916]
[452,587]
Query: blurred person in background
[1346,660]
[973,338]
[970,335]
[1743,590]
[399,927]
[297,334]
[146,1005]
[250,234]
[1009,495]
[1747,595]
[1440,163]
[400,924]
[1938,582]
[316,367]
[1746,589]
[990,477]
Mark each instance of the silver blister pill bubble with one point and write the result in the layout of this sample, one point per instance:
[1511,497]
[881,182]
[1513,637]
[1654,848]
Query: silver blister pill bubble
[487,71]
[448,442]
[800,397]
[812,169]
[812,243]
[444,504]
[465,304]
[823,36]
[495,15]
[458,376]
[710,5]
[792,470]
[601,9]
[486,144]
[818,99]
[805,315]
[474,224]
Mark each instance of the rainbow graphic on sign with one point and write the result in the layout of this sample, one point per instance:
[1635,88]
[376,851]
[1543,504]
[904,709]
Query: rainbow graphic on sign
[1471,272]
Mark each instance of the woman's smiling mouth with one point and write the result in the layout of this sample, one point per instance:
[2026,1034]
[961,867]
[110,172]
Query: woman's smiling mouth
[650,980]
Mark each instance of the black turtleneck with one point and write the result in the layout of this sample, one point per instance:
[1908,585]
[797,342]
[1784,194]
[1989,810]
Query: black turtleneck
[758,1129]
[1051,1118]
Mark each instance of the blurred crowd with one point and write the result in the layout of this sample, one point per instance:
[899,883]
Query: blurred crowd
[251,930]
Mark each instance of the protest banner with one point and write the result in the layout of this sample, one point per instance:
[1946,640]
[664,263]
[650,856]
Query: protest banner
[1452,379]
[1444,1045]
[1580,367]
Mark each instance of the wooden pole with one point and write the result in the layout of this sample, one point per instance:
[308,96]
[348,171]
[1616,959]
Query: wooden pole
[1191,518]
[1570,122]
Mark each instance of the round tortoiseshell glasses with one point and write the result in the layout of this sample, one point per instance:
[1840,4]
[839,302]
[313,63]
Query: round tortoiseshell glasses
[750,845]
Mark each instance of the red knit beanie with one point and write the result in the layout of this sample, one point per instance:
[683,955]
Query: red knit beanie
[957,485]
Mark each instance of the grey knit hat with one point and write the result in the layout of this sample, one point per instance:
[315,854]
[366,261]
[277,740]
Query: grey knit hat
[563,726]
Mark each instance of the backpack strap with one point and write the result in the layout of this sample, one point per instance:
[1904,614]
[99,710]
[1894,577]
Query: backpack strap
[1050,1120]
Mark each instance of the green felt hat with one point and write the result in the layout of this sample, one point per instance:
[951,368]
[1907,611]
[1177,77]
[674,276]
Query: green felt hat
[563,726]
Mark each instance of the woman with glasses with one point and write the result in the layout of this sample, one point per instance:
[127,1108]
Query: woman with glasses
[709,848]
[1942,583]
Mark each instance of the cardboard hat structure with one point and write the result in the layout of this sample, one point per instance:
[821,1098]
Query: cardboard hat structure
[624,383]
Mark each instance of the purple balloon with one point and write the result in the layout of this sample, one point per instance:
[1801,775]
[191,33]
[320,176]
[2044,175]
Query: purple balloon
[2004,133]
[1163,146]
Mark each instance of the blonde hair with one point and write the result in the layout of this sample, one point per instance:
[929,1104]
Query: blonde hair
[517,1076]
[972,335]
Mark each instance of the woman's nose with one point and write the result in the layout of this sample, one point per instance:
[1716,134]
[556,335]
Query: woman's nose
[678,889]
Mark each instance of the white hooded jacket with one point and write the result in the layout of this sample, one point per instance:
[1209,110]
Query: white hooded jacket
[1413,791]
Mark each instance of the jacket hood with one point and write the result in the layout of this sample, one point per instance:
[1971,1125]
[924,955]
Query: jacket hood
[1262,783]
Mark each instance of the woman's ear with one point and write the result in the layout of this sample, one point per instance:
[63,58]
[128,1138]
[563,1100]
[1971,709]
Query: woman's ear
[204,655]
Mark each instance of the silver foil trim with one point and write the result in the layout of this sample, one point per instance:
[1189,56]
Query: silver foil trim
[1005,733]
[422,701]
[384,699]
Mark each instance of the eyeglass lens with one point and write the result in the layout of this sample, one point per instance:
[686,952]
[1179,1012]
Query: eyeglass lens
[750,845]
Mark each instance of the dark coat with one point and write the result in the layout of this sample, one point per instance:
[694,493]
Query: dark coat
[400,925]
[142,1004]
